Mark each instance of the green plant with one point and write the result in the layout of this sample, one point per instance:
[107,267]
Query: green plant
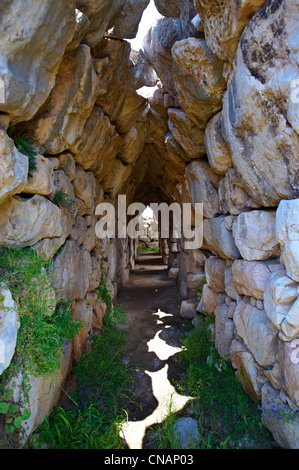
[46,326]
[200,288]
[143,249]
[97,409]
[25,146]
[63,200]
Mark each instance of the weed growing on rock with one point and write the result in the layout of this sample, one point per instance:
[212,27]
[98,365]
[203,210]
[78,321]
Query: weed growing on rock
[63,200]
[45,333]
[25,146]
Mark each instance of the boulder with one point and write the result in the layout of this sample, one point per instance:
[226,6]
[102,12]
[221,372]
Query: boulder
[214,271]
[233,199]
[258,105]
[41,181]
[279,296]
[257,332]
[32,48]
[202,184]
[287,233]
[224,331]
[285,431]
[128,18]
[188,309]
[186,433]
[9,325]
[187,134]
[255,236]
[218,152]
[289,360]
[13,168]
[81,311]
[70,103]
[198,79]
[24,222]
[249,277]
[248,372]
[71,271]
[219,239]
[224,23]
[209,300]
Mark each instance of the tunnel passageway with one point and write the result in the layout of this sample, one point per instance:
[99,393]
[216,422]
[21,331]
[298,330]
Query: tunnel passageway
[154,332]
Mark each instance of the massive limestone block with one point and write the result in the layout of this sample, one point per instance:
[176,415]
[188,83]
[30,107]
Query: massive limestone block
[210,300]
[113,77]
[41,181]
[202,184]
[13,168]
[287,233]
[84,189]
[98,141]
[248,371]
[249,277]
[188,135]
[224,23]
[258,333]
[233,198]
[279,296]
[218,152]
[219,239]
[198,79]
[224,331]
[82,310]
[157,46]
[9,325]
[255,236]
[214,271]
[259,109]
[141,72]
[289,359]
[24,222]
[100,14]
[134,108]
[128,18]
[133,142]
[82,25]
[31,51]
[63,117]
[71,270]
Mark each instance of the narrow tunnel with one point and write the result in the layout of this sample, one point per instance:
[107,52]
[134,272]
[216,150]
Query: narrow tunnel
[200,117]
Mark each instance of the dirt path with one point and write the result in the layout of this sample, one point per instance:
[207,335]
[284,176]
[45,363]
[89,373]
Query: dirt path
[153,346]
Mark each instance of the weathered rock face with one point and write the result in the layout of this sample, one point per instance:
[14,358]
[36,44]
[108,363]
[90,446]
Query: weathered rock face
[62,119]
[13,168]
[9,326]
[199,82]
[223,24]
[263,143]
[33,48]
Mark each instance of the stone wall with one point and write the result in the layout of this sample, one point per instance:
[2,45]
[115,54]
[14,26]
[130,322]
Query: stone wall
[221,128]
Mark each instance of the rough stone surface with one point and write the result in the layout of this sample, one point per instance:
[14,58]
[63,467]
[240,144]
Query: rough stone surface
[257,332]
[62,118]
[9,325]
[267,166]
[219,239]
[224,23]
[25,222]
[224,331]
[255,236]
[71,270]
[287,233]
[187,433]
[32,47]
[13,168]
[200,99]
[218,152]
